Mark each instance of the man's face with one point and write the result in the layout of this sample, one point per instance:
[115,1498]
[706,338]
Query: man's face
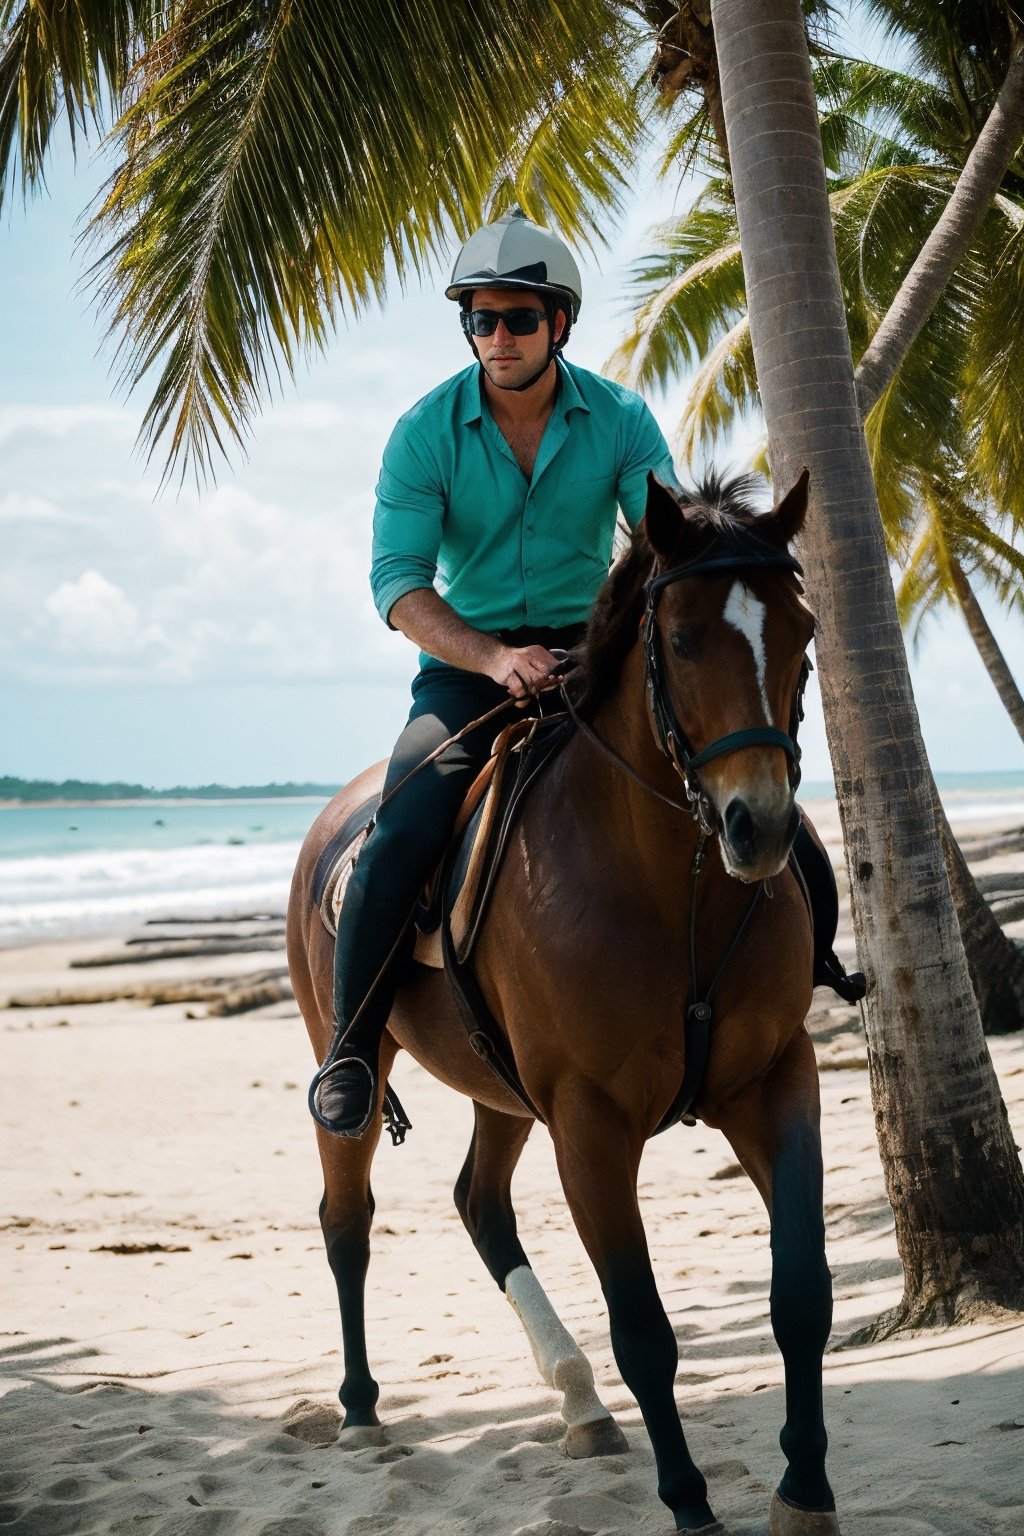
[508,360]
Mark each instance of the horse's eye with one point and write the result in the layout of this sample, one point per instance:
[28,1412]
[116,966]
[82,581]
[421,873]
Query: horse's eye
[679,644]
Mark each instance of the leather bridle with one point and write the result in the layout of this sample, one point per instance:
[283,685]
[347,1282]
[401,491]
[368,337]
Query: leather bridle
[747,553]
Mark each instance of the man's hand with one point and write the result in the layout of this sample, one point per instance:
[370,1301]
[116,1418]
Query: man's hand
[523,669]
[428,621]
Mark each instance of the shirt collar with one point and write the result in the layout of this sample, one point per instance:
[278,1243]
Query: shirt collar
[567,399]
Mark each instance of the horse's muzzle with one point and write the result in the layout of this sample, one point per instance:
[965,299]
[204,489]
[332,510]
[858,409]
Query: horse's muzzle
[756,839]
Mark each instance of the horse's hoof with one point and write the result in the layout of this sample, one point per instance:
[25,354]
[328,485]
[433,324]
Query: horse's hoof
[360,1435]
[786,1520]
[600,1437]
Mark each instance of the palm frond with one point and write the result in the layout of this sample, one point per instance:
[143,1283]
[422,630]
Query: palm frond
[962,44]
[993,366]
[682,297]
[723,391]
[280,161]
[61,58]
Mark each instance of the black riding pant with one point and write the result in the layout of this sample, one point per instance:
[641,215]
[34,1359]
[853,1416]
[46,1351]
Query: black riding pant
[412,832]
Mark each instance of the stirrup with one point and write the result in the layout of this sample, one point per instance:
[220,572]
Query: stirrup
[320,1077]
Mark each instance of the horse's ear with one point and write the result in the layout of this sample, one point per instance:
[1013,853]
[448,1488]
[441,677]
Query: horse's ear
[663,519]
[788,517]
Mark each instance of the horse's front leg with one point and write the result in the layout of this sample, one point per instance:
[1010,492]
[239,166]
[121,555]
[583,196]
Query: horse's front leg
[598,1156]
[484,1201]
[774,1130]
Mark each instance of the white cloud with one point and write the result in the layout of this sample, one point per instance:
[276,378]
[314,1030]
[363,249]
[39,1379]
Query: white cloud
[93,616]
[17,507]
[61,420]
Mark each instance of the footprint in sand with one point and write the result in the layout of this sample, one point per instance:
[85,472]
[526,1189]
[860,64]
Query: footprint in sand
[200,1522]
[155,1449]
[375,1525]
[550,1528]
[69,1488]
[592,1511]
[392,1453]
[725,1471]
[428,1470]
[284,1445]
[209,1484]
[292,1525]
[45,1519]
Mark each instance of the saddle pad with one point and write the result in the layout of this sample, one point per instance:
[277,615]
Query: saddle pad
[335,865]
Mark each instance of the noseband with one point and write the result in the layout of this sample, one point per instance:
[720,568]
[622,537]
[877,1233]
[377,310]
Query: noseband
[747,553]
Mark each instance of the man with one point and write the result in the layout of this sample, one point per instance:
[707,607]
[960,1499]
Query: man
[495,516]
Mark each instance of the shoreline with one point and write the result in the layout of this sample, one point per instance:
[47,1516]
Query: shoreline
[165,800]
[97,891]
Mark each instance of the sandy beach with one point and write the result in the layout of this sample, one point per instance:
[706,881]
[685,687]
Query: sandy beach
[168,1305]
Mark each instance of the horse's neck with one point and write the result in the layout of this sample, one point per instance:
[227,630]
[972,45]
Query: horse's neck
[657,837]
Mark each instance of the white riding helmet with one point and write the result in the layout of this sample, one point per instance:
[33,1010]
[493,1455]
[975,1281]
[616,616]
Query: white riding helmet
[513,252]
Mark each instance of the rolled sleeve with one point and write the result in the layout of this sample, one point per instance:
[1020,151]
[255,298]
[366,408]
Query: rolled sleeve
[648,450]
[407,521]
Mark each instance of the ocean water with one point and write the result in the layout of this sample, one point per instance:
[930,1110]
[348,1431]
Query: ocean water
[77,870]
[91,869]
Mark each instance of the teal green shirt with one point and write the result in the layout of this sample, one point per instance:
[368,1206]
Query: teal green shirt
[455,511]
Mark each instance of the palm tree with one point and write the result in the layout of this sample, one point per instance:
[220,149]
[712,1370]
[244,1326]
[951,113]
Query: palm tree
[887,188]
[958,1196]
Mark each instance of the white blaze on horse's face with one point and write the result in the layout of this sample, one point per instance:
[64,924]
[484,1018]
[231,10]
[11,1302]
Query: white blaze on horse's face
[746,613]
[751,789]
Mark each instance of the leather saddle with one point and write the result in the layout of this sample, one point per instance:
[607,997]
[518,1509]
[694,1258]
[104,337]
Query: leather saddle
[462,883]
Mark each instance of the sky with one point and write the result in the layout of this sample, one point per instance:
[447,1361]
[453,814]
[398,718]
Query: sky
[183,638]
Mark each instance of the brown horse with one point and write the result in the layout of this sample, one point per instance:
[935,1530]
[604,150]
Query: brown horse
[585,963]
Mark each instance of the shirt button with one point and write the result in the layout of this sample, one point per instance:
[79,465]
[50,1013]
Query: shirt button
[529,570]
[529,527]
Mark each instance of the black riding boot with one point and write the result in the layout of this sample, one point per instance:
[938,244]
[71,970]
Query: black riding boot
[368,956]
[343,1094]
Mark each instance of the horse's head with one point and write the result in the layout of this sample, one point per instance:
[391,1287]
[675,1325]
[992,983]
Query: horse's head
[725,632]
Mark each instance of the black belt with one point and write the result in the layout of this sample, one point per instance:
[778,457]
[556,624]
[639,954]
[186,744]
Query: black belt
[561,639]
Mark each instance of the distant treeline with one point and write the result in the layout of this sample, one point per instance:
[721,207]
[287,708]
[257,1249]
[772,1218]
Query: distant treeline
[29,790]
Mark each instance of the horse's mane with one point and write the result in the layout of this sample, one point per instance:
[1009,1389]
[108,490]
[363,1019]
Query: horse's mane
[718,505]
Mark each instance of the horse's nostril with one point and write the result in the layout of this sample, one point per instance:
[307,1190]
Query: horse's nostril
[740,828]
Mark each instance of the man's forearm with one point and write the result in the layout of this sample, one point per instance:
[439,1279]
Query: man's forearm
[428,621]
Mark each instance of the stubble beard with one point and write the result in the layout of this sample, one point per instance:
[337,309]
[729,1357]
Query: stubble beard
[511,379]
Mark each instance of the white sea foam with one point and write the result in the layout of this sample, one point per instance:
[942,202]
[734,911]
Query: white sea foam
[58,896]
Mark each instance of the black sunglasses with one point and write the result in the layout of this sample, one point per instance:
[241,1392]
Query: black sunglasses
[520,322]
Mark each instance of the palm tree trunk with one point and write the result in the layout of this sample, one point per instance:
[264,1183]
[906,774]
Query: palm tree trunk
[988,649]
[958,223]
[952,1172]
[995,962]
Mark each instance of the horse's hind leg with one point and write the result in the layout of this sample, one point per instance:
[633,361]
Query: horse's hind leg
[346,1213]
[483,1198]
[774,1131]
